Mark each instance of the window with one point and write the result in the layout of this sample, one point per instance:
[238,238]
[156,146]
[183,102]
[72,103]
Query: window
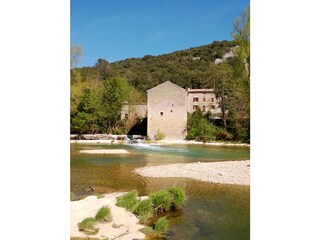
[161,113]
[126,116]
[195,107]
[195,99]
[204,99]
[203,108]
[212,99]
[213,107]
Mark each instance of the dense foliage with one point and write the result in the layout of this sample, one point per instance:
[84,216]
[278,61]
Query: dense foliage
[98,92]
[200,128]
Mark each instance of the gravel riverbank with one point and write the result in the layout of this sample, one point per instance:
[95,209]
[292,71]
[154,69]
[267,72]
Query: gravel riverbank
[230,172]
[105,151]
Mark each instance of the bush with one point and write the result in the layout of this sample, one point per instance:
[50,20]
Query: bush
[104,214]
[145,218]
[161,227]
[160,135]
[199,128]
[159,230]
[223,134]
[144,207]
[71,196]
[128,201]
[161,200]
[178,197]
[88,226]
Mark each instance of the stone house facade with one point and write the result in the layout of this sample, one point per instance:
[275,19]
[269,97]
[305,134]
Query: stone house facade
[204,99]
[167,111]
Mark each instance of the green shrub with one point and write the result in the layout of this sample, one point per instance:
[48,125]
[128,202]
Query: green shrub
[160,135]
[88,225]
[223,134]
[71,196]
[104,214]
[178,197]
[161,227]
[128,201]
[159,230]
[145,218]
[144,211]
[161,200]
[199,128]
[144,207]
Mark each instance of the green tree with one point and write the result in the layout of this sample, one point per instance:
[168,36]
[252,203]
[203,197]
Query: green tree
[239,102]
[241,35]
[199,128]
[223,86]
[103,68]
[115,92]
[85,118]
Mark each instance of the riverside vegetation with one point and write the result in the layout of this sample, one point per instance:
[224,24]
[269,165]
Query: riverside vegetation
[88,225]
[98,92]
[150,211]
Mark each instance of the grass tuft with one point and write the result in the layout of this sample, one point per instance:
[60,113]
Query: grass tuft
[161,200]
[88,226]
[178,197]
[144,207]
[145,218]
[161,226]
[159,230]
[128,201]
[104,214]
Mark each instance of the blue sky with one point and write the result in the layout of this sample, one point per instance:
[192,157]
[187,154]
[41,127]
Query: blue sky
[120,29]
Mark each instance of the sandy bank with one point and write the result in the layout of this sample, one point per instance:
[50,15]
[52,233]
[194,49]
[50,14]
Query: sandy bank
[231,172]
[91,141]
[105,151]
[124,225]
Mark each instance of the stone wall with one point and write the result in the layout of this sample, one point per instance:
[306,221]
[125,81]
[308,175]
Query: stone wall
[133,111]
[167,111]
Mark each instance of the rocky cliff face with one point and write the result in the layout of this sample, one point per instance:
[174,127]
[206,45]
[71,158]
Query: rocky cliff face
[227,55]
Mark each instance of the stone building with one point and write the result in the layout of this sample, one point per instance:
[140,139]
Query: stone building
[204,99]
[133,111]
[167,111]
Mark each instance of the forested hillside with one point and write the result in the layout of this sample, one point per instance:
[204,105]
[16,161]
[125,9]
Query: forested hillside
[193,68]
[98,92]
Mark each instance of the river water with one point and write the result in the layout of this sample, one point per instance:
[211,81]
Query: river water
[212,211]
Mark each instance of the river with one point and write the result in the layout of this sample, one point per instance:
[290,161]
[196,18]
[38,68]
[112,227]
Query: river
[212,211]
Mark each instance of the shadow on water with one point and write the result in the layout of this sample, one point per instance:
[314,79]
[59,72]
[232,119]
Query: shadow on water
[212,211]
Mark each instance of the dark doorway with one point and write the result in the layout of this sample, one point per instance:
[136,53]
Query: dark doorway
[140,128]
